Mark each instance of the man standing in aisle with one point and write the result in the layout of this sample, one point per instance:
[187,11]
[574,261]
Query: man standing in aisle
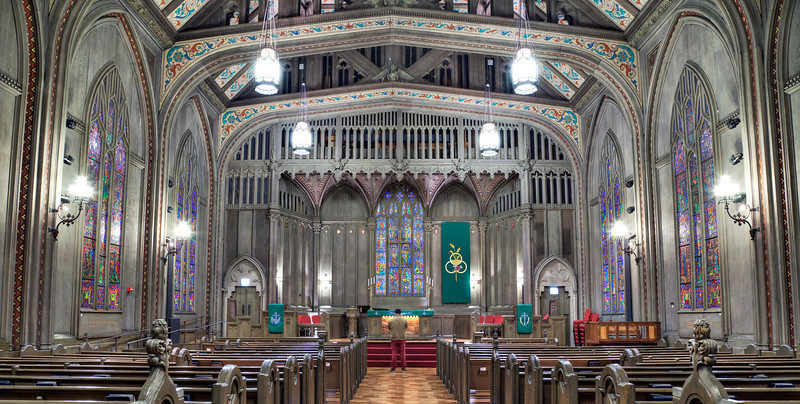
[397,329]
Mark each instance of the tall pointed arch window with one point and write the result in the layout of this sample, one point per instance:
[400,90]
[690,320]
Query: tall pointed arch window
[695,204]
[612,258]
[106,168]
[186,202]
[400,265]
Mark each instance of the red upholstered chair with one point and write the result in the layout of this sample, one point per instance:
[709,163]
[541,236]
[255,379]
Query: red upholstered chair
[595,317]
[315,319]
[546,316]
[482,320]
[578,326]
[304,319]
[498,319]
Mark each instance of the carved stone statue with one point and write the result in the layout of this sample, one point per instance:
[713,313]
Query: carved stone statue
[484,7]
[392,73]
[306,7]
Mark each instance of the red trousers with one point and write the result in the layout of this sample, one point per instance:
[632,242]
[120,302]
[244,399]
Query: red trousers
[399,348]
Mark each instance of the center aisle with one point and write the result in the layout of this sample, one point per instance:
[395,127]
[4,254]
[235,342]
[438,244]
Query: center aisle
[417,385]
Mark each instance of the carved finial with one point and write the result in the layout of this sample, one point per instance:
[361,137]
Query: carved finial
[158,345]
[702,348]
[159,387]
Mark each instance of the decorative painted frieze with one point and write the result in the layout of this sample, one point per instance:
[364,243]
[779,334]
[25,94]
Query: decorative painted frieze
[236,117]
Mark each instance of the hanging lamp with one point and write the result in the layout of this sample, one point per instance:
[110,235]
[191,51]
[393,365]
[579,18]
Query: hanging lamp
[489,137]
[301,135]
[267,70]
[524,68]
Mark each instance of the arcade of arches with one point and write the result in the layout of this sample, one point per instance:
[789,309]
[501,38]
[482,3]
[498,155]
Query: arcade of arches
[643,109]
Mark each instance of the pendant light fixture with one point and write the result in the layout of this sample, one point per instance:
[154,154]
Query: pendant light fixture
[489,138]
[524,68]
[267,70]
[301,135]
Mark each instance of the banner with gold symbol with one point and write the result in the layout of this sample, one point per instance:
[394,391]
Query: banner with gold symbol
[455,262]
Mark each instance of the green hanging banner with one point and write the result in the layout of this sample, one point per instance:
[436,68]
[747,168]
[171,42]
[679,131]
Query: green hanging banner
[524,318]
[455,262]
[275,318]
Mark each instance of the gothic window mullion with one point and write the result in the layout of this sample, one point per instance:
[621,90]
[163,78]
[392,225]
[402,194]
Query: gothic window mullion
[101,252]
[696,220]
[399,266]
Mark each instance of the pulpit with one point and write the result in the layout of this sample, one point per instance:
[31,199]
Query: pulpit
[419,322]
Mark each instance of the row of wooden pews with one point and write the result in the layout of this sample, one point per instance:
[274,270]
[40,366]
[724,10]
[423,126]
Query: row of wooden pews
[251,371]
[537,373]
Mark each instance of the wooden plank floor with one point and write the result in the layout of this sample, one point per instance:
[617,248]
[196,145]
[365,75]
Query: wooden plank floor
[418,385]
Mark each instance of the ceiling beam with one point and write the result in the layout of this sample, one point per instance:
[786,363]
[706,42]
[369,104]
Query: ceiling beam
[360,63]
[427,62]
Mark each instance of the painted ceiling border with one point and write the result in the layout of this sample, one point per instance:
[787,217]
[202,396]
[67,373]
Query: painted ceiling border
[234,118]
[185,54]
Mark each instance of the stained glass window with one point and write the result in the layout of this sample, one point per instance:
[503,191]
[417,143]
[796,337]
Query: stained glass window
[695,205]
[612,258]
[103,223]
[186,203]
[399,259]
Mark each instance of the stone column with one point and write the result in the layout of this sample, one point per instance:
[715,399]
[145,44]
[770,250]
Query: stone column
[528,283]
[317,229]
[270,286]
[371,226]
[484,264]
[434,297]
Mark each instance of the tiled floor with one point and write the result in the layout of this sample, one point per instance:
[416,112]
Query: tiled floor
[418,385]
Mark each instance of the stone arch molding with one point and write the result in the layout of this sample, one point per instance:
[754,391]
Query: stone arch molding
[244,267]
[556,271]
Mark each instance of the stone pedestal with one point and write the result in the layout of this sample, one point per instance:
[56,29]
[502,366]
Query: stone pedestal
[352,321]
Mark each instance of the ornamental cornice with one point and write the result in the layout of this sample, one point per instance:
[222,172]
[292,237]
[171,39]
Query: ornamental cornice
[235,118]
[495,35]
[643,25]
[414,168]
[212,96]
[792,85]
[156,24]
[12,83]
[342,16]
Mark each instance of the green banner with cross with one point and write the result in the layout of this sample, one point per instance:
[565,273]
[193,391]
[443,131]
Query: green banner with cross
[455,262]
[524,318]
[275,318]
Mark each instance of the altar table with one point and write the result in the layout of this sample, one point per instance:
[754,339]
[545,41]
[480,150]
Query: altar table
[419,322]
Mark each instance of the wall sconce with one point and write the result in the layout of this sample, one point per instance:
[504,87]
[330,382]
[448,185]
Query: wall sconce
[68,159]
[81,192]
[629,184]
[736,158]
[619,231]
[733,123]
[183,232]
[728,193]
